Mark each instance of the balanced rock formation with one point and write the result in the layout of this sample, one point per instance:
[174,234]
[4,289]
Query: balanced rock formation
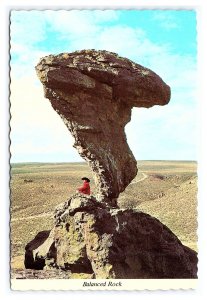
[95,241]
[94,93]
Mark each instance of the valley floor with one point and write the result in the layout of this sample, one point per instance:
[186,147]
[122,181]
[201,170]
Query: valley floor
[166,190]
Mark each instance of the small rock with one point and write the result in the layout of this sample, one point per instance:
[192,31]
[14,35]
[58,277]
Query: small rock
[28,180]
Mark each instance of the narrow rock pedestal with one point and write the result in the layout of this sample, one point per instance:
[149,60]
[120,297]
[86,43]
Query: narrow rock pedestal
[94,93]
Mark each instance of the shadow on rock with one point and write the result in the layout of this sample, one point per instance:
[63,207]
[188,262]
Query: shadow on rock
[110,243]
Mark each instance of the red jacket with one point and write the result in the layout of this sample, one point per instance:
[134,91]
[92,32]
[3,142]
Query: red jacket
[85,189]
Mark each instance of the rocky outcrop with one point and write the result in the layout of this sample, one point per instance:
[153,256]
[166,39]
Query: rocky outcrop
[94,93]
[31,261]
[92,239]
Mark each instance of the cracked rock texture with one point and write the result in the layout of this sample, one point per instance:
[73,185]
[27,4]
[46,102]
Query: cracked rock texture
[94,241]
[94,93]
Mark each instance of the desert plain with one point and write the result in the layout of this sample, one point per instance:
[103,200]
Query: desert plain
[166,190]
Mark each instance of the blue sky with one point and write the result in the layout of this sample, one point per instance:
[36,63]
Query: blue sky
[164,41]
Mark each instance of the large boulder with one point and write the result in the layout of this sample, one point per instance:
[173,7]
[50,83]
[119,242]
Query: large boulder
[113,243]
[31,260]
[94,93]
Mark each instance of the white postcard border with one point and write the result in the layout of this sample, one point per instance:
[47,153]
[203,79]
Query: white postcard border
[103,284]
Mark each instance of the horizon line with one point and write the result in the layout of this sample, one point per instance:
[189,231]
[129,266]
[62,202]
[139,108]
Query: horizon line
[80,162]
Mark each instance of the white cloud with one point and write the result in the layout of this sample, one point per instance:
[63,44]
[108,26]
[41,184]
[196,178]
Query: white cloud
[104,15]
[165,20]
[31,27]
[35,126]
[70,22]
[166,132]
[161,128]
[27,60]
[77,29]
[79,22]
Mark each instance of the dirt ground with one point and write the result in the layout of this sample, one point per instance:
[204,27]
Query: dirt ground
[166,190]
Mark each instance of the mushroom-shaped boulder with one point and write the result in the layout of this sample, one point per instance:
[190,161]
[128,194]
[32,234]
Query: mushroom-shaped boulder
[94,93]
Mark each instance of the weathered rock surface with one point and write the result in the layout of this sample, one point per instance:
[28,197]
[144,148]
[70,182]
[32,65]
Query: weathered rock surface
[89,238]
[31,261]
[94,93]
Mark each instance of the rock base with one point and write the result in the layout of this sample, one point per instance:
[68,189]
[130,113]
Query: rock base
[90,238]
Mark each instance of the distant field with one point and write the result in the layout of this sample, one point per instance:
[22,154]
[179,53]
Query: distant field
[164,189]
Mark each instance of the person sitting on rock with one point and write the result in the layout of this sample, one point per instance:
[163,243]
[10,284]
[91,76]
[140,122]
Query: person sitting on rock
[85,188]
